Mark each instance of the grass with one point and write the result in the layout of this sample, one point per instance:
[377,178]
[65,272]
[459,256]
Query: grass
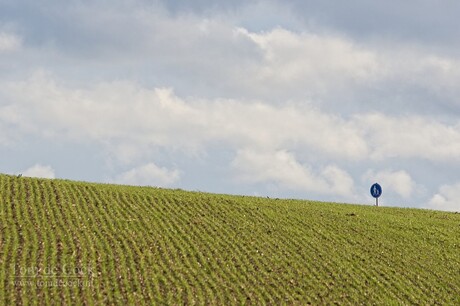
[64,242]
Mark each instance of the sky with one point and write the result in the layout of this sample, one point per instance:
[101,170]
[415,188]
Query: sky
[292,99]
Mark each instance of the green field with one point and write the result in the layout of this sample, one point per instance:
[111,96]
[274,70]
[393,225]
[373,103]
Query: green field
[64,242]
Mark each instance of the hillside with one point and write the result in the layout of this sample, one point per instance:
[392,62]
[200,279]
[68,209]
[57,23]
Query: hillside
[80,243]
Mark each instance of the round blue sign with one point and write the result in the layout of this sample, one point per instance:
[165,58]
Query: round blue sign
[376,190]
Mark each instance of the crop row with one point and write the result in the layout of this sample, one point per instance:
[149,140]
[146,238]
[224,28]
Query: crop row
[81,243]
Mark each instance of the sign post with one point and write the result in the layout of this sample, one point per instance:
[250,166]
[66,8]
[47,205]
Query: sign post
[376,192]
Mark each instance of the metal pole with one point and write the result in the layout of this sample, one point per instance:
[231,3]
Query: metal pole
[376,201]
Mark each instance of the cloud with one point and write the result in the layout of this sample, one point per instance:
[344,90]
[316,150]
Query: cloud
[123,112]
[346,75]
[142,38]
[399,182]
[218,56]
[284,170]
[9,42]
[266,84]
[39,170]
[410,137]
[447,198]
[150,175]
[126,113]
[427,23]
[319,61]
[107,112]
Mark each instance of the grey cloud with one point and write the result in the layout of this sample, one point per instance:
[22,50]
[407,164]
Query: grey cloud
[203,6]
[427,22]
[206,55]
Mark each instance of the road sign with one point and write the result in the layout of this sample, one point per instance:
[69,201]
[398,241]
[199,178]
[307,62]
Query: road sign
[376,192]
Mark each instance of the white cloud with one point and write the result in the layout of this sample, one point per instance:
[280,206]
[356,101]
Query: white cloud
[149,175]
[9,42]
[339,181]
[410,137]
[418,66]
[39,170]
[130,119]
[399,182]
[332,68]
[125,112]
[282,168]
[264,126]
[278,87]
[316,60]
[447,198]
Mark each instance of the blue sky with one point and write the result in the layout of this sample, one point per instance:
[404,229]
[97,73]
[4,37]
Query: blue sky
[297,99]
